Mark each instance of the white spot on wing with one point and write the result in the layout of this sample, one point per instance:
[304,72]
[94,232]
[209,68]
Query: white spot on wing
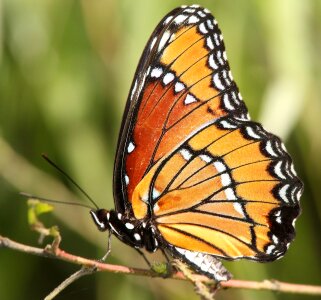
[205,158]
[169,77]
[193,20]
[164,40]
[226,179]
[217,82]
[282,193]
[230,195]
[152,44]
[212,63]
[189,99]
[238,207]
[209,43]
[156,193]
[130,147]
[168,20]
[220,167]
[278,171]
[202,28]
[186,154]
[126,179]
[180,19]
[179,87]
[251,133]
[156,72]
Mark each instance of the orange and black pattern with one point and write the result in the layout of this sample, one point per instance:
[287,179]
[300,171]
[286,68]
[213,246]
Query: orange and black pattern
[190,160]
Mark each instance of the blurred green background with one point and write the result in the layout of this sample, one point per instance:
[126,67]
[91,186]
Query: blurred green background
[65,70]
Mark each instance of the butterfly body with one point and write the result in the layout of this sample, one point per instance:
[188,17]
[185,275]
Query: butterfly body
[193,174]
[133,232]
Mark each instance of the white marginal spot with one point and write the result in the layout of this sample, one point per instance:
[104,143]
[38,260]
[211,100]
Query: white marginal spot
[168,19]
[119,215]
[186,154]
[292,170]
[220,167]
[205,158]
[130,147]
[108,216]
[219,57]
[216,39]
[152,44]
[283,147]
[270,249]
[212,63]
[156,72]
[195,6]
[169,77]
[269,149]
[226,179]
[209,43]
[206,11]
[251,133]
[224,56]
[137,237]
[217,82]
[275,239]
[164,40]
[180,19]
[228,125]
[282,193]
[210,24]
[278,171]
[227,103]
[189,10]
[126,179]
[179,87]
[193,20]
[215,22]
[189,99]
[201,14]
[278,220]
[230,195]
[293,222]
[202,28]
[231,76]
[238,207]
[129,226]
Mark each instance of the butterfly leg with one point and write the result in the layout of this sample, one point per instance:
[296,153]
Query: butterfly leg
[170,267]
[144,257]
[108,247]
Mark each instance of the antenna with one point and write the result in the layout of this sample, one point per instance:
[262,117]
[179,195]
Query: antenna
[53,201]
[44,156]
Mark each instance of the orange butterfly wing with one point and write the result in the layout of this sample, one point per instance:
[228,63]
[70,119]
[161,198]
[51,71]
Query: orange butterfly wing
[183,80]
[190,161]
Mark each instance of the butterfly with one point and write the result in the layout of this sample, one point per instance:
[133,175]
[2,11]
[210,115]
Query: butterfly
[193,175]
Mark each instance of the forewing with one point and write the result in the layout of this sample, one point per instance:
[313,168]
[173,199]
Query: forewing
[182,82]
[229,190]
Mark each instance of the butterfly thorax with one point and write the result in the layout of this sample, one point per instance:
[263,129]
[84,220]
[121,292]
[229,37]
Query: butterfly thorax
[133,232]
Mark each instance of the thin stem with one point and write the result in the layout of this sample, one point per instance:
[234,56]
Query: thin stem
[80,273]
[240,284]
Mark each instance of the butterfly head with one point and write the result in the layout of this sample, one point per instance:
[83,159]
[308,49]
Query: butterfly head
[100,218]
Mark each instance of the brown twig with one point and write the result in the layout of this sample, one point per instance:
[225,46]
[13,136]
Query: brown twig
[240,284]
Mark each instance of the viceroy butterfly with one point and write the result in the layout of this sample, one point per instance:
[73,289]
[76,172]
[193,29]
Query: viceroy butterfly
[193,175]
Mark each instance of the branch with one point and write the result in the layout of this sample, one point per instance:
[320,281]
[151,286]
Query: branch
[271,285]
